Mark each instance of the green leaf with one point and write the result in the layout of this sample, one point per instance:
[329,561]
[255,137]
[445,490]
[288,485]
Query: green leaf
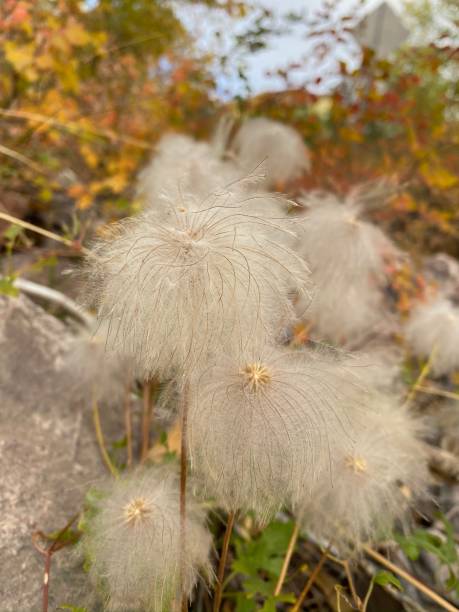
[384,578]
[7,286]
[260,561]
[72,608]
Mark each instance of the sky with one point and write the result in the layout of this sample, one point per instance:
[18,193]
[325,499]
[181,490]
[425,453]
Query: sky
[216,32]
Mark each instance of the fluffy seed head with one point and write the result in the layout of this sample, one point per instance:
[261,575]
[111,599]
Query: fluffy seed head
[434,326]
[363,494]
[347,258]
[173,291]
[182,168]
[277,146]
[260,424]
[95,374]
[133,542]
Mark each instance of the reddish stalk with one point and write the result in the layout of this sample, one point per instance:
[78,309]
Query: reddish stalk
[183,480]
[47,553]
[310,582]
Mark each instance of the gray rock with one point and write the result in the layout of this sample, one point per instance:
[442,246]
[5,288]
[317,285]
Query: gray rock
[48,456]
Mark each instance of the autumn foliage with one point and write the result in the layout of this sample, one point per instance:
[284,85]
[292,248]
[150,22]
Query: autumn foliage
[86,92]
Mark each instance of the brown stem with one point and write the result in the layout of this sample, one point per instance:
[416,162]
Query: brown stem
[183,479]
[310,582]
[222,562]
[287,558]
[443,603]
[128,425]
[350,581]
[47,553]
[146,419]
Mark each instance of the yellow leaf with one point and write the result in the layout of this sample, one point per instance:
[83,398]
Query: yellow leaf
[350,134]
[89,156]
[76,34]
[115,183]
[84,201]
[438,176]
[19,56]
[45,61]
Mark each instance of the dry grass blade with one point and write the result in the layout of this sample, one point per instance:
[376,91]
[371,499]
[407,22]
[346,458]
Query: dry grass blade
[443,603]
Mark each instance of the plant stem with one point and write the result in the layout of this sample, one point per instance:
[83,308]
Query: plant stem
[440,392]
[310,582]
[128,425]
[422,376]
[100,439]
[222,562]
[350,580]
[146,419]
[367,596]
[183,479]
[42,232]
[287,558]
[443,603]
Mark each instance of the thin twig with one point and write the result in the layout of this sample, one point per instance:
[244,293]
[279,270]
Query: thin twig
[367,596]
[23,159]
[74,128]
[287,558]
[183,480]
[47,553]
[128,424]
[350,580]
[43,232]
[441,392]
[443,603]
[100,440]
[422,376]
[310,582]
[222,562]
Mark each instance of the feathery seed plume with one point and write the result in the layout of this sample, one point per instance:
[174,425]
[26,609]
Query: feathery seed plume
[434,326]
[172,291]
[133,543]
[260,424]
[347,259]
[280,148]
[366,490]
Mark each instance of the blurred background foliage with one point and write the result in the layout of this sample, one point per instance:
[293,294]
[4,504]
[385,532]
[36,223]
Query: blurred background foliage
[87,88]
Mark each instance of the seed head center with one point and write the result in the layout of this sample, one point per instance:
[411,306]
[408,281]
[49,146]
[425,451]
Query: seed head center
[136,511]
[357,464]
[256,375]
